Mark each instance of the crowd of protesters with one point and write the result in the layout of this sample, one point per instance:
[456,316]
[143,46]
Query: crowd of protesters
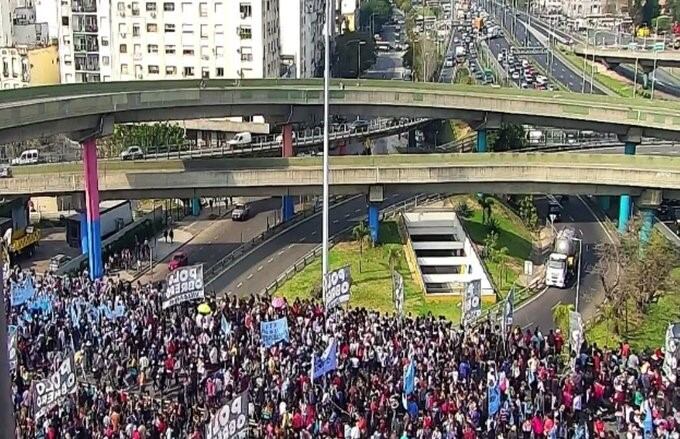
[156,373]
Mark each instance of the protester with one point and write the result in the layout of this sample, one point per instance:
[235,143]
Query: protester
[145,372]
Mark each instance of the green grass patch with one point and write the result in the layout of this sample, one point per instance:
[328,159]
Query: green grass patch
[644,331]
[512,234]
[372,286]
[621,88]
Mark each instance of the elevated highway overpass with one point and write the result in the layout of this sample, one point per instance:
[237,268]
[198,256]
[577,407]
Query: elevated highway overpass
[516,173]
[620,55]
[88,109]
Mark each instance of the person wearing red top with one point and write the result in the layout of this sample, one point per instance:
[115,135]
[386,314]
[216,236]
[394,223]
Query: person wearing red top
[598,426]
[468,432]
[298,422]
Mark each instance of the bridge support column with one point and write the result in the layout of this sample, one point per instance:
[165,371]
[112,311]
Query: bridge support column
[411,139]
[287,201]
[94,237]
[376,195]
[648,202]
[195,206]
[481,140]
[631,140]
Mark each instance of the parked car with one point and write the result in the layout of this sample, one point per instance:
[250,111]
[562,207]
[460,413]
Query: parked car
[178,260]
[132,153]
[58,261]
[28,157]
[241,212]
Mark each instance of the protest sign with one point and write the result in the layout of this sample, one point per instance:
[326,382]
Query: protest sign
[22,292]
[231,421]
[274,331]
[472,305]
[12,346]
[671,351]
[575,331]
[51,391]
[337,287]
[184,284]
[398,292]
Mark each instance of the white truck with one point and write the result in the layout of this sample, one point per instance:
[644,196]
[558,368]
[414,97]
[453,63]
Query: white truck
[562,262]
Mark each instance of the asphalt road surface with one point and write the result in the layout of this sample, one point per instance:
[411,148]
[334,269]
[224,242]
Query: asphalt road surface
[260,268]
[580,216]
[223,236]
[388,65]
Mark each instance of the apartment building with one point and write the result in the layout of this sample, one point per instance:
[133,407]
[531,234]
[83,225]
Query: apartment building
[349,15]
[302,26]
[147,40]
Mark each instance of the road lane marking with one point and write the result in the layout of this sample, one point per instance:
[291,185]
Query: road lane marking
[604,228]
[250,276]
[302,239]
[259,268]
[348,215]
[313,233]
[281,252]
[269,261]
[357,211]
[335,221]
[290,245]
[240,284]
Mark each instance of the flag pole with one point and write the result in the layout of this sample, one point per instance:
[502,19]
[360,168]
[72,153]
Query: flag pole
[326,123]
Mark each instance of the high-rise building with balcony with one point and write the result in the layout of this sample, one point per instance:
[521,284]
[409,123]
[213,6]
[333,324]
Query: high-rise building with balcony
[133,40]
[302,25]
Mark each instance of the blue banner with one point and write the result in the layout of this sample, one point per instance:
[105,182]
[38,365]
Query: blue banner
[225,326]
[274,331]
[326,362]
[410,378]
[494,399]
[43,304]
[22,292]
[648,423]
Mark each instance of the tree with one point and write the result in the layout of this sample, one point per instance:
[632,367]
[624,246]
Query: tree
[393,254]
[361,234]
[527,212]
[157,137]
[560,314]
[485,202]
[650,10]
[508,137]
[674,9]
[345,55]
[463,210]
[374,13]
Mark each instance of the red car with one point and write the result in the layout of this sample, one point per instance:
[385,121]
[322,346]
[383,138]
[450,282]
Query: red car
[178,260]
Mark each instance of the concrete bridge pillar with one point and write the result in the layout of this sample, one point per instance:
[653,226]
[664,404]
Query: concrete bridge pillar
[411,139]
[631,140]
[287,201]
[92,225]
[481,140]
[490,122]
[195,206]
[375,197]
[648,202]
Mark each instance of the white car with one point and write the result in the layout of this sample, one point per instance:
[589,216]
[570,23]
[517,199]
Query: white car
[132,153]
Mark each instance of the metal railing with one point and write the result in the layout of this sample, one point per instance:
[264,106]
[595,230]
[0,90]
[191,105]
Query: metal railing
[308,258]
[223,264]
[267,144]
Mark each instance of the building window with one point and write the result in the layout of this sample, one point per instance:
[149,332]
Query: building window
[219,51]
[135,9]
[105,42]
[204,31]
[187,28]
[188,71]
[152,27]
[64,21]
[188,51]
[219,9]
[245,32]
[219,72]
[246,53]
[205,73]
[152,48]
[205,53]
[135,30]
[122,48]
[154,70]
[170,70]
[123,69]
[137,49]
[168,7]
[219,29]
[169,28]
[203,9]
[121,8]
[105,60]
[169,49]
[246,10]
[186,8]
[151,6]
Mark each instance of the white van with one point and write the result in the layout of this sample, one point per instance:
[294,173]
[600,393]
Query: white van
[240,140]
[28,157]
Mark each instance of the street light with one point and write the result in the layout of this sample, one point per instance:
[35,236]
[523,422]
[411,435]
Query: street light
[578,270]
[326,123]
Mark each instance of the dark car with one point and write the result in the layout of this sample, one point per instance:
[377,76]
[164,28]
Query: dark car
[358,125]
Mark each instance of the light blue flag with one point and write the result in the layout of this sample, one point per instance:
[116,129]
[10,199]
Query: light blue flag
[327,362]
[410,378]
[119,311]
[274,331]
[648,423]
[225,326]
[22,292]
[494,399]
